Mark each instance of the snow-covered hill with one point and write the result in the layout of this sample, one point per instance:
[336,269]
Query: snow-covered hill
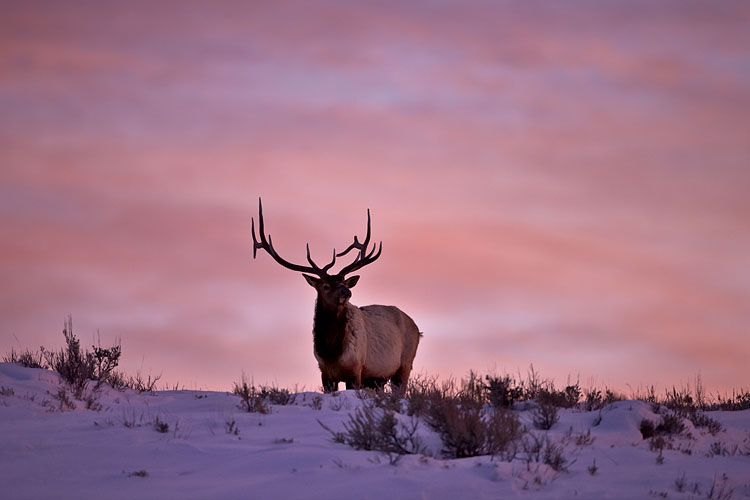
[197,444]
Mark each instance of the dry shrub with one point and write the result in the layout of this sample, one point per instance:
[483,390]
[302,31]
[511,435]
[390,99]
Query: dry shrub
[137,383]
[256,399]
[277,395]
[27,358]
[593,399]
[700,419]
[460,425]
[468,430]
[738,401]
[376,429]
[539,448]
[545,415]
[463,416]
[503,392]
[250,398]
[422,391]
[504,430]
[386,400]
[671,424]
[77,366]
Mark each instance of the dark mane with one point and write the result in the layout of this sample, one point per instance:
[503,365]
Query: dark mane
[329,330]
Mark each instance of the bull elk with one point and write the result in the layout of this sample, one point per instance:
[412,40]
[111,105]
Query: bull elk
[361,346]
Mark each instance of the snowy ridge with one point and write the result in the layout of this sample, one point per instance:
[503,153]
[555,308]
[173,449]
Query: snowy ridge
[200,445]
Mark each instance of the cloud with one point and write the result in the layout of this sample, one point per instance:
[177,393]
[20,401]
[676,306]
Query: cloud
[553,186]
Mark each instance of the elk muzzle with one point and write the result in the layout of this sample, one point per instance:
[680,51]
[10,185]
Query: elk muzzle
[344,295]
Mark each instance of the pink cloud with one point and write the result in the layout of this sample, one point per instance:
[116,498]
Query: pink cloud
[563,188]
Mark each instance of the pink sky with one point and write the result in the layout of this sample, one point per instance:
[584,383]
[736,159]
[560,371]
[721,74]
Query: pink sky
[559,185]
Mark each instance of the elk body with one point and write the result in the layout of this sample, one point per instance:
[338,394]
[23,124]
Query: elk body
[361,346]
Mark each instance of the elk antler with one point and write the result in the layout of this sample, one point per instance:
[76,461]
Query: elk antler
[363,258]
[267,245]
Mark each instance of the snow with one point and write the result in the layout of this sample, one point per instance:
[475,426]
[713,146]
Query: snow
[48,450]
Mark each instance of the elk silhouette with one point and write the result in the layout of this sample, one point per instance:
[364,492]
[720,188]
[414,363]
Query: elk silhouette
[361,346]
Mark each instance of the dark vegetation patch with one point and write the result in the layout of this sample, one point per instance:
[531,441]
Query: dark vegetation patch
[256,399]
[78,367]
[376,429]
[477,416]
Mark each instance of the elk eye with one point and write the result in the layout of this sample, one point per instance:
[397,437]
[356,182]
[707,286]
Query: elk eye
[326,287]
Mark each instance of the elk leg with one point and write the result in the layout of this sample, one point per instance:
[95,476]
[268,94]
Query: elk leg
[400,379]
[377,383]
[329,384]
[356,383]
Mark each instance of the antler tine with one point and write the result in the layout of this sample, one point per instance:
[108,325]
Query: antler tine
[361,261]
[367,238]
[256,244]
[330,264]
[267,244]
[363,258]
[255,241]
[356,244]
[325,268]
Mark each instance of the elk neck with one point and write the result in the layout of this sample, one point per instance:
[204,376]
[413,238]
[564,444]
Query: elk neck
[329,331]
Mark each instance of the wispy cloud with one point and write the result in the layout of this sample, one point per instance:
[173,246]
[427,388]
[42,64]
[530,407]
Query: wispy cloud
[562,186]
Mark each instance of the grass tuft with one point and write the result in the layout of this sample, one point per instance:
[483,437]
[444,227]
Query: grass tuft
[251,399]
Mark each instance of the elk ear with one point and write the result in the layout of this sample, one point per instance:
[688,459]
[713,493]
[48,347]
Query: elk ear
[311,280]
[350,282]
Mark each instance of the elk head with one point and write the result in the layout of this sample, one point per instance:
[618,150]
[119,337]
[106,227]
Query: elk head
[333,291]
